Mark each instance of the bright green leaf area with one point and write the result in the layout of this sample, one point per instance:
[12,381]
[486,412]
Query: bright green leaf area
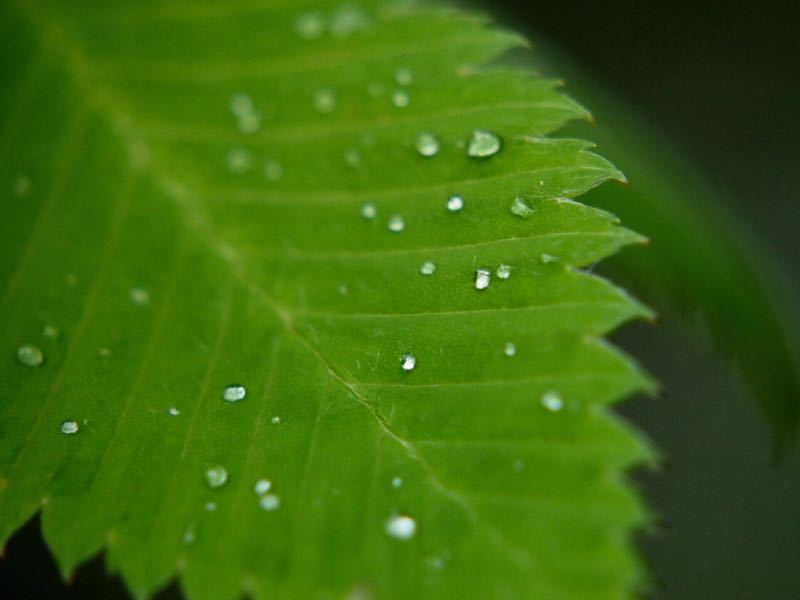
[204,194]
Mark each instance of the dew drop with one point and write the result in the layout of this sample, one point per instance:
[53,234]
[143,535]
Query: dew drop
[428,268]
[510,349]
[455,203]
[173,411]
[397,482]
[51,332]
[310,26]
[396,223]
[521,208]
[483,144]
[216,476]
[435,562]
[239,160]
[262,486]
[352,158]
[140,296]
[22,186]
[30,355]
[104,352]
[547,258]
[483,277]
[347,20]
[69,427]
[249,123]
[518,466]
[408,362]
[269,502]
[276,420]
[190,535]
[401,527]
[369,210]
[427,144]
[552,401]
[504,271]
[234,393]
[404,76]
[325,101]
[401,98]
[273,170]
[241,104]
[211,506]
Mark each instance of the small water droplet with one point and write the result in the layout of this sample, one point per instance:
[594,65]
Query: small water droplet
[396,223]
[427,144]
[483,143]
[397,482]
[51,332]
[241,104]
[518,466]
[276,420]
[262,486]
[483,277]
[547,258]
[70,427]
[190,534]
[428,268]
[325,101]
[435,562]
[22,186]
[104,352]
[273,170]
[30,355]
[140,296]
[510,349]
[239,160]
[408,362]
[455,203]
[216,476]
[504,271]
[352,158]
[401,527]
[369,210]
[404,76]
[347,20]
[269,502]
[234,393]
[249,123]
[552,401]
[310,26]
[173,411]
[401,98]
[521,208]
[211,506]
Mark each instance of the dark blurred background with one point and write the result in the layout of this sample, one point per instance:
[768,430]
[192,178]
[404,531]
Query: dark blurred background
[720,79]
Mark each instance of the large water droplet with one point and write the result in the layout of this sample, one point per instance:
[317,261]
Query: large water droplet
[30,355]
[510,349]
[325,100]
[70,427]
[269,502]
[504,271]
[273,170]
[427,144]
[262,486]
[401,98]
[239,160]
[369,210]
[455,203]
[396,223]
[216,476]
[401,527]
[408,362]
[483,277]
[483,144]
[234,393]
[552,401]
[140,296]
[521,208]
[404,76]
[428,268]
[310,26]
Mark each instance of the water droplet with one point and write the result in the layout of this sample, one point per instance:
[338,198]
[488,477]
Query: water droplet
[547,258]
[343,289]
[269,502]
[211,506]
[352,158]
[396,223]
[521,208]
[234,393]
[241,104]
[22,186]
[216,476]
[347,20]
[262,486]
[518,466]
[504,271]
[140,296]
[325,101]
[190,534]
[239,160]
[369,210]
[401,527]
[483,277]
[455,203]
[401,98]
[104,352]
[428,268]
[397,482]
[552,401]
[69,427]
[510,349]
[51,332]
[249,123]
[427,144]
[483,144]
[434,562]
[276,420]
[404,76]
[30,355]
[408,362]
[173,411]
[273,170]
[310,26]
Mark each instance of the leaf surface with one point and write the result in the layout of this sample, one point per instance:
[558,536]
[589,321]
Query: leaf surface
[188,206]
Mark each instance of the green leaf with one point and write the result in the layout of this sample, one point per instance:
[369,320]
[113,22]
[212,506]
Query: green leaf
[165,236]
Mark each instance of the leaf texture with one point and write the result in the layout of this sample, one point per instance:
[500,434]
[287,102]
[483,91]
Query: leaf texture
[188,205]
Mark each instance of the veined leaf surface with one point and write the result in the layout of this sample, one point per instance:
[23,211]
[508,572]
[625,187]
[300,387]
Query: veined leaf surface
[201,195]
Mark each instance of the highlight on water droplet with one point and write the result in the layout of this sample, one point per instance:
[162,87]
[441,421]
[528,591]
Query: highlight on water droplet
[483,143]
[483,277]
[325,100]
[216,476]
[22,186]
[427,144]
[310,25]
[510,349]
[269,502]
[140,296]
[401,527]
[396,223]
[455,203]
[262,486]
[70,427]
[273,170]
[369,210]
[521,208]
[428,268]
[408,362]
[174,412]
[504,271]
[234,393]
[30,355]
[404,76]
[552,401]
[239,160]
[401,98]
[276,420]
